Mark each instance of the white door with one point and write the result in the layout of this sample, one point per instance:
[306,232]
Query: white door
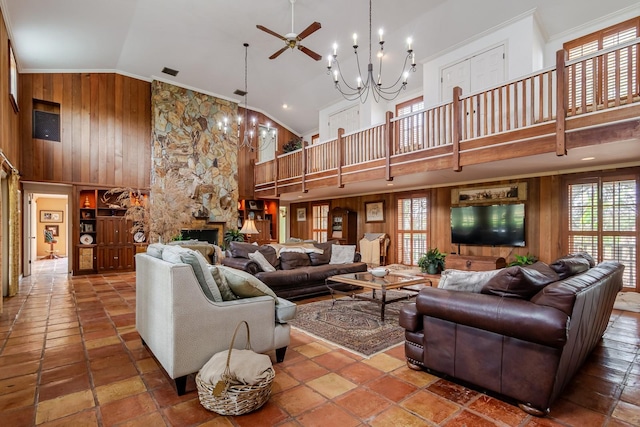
[487,69]
[348,119]
[452,76]
[267,143]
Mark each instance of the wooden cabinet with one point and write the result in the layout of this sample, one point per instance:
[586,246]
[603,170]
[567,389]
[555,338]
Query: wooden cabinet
[104,242]
[474,263]
[344,226]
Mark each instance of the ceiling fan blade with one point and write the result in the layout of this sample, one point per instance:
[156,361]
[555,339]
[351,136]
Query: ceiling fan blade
[275,55]
[309,30]
[310,53]
[273,33]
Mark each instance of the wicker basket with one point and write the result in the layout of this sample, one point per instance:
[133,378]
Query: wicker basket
[235,399]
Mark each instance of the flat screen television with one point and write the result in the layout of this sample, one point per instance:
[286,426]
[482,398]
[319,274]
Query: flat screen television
[494,225]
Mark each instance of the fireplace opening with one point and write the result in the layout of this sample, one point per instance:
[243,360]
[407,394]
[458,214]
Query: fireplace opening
[204,235]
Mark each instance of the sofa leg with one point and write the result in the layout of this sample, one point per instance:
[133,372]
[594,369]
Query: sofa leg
[280,354]
[533,411]
[414,366]
[181,385]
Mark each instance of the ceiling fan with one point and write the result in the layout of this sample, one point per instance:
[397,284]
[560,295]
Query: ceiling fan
[292,40]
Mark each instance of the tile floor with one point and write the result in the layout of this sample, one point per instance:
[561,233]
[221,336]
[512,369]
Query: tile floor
[70,356]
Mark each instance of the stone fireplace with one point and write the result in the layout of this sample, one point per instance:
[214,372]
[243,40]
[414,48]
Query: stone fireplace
[214,234]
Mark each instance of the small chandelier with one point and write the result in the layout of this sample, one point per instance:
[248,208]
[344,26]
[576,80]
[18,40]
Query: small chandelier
[249,129]
[371,84]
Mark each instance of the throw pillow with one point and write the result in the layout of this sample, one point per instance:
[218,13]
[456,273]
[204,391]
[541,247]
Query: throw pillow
[241,249]
[468,281]
[342,254]
[244,285]
[201,270]
[585,255]
[155,250]
[261,261]
[567,267]
[539,275]
[223,286]
[520,282]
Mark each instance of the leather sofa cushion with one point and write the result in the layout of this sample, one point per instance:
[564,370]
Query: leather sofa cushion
[585,255]
[324,257]
[567,267]
[520,282]
[293,260]
[242,250]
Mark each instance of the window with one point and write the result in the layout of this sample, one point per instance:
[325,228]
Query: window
[412,229]
[603,221]
[320,222]
[606,69]
[410,129]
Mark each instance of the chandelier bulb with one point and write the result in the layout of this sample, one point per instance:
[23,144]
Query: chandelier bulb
[380,33]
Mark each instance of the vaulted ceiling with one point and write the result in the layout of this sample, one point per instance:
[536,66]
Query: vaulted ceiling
[203,39]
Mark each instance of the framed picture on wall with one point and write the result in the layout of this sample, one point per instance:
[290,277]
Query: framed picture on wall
[301,214]
[53,229]
[13,79]
[50,216]
[374,211]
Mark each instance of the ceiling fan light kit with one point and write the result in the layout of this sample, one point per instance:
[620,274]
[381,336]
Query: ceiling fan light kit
[372,85]
[292,40]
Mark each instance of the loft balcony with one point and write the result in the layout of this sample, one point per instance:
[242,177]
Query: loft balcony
[548,122]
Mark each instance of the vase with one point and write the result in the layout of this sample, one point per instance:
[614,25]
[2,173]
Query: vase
[432,269]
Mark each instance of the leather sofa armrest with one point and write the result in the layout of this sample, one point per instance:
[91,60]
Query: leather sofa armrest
[511,317]
[410,319]
[244,264]
[357,257]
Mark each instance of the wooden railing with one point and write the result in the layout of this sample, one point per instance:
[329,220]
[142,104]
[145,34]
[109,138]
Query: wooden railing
[606,79]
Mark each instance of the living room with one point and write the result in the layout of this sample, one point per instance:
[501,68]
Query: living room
[109,123]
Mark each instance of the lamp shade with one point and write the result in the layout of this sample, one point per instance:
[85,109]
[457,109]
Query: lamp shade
[249,227]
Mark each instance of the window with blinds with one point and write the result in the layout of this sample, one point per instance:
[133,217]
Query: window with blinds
[320,222]
[411,237]
[603,221]
[605,71]
[410,128]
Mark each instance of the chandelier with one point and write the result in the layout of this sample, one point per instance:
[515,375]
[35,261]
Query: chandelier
[248,128]
[371,84]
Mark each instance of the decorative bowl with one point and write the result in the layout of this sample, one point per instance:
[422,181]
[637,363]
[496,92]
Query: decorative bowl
[379,271]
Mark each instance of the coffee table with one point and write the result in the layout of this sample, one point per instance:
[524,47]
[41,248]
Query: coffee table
[382,284]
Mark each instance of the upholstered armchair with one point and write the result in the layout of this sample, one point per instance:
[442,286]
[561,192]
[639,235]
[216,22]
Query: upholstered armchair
[183,328]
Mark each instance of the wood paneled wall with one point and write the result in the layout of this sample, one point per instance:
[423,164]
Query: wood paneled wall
[9,128]
[105,123]
[543,219]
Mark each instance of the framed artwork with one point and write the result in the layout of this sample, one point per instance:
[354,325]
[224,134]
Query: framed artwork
[477,195]
[253,204]
[53,229]
[13,79]
[301,214]
[50,216]
[374,211]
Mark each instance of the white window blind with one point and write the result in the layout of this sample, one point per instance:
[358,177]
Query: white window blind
[320,222]
[412,230]
[411,128]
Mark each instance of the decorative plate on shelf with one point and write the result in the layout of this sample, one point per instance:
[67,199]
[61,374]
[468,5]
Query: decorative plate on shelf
[86,239]
[139,237]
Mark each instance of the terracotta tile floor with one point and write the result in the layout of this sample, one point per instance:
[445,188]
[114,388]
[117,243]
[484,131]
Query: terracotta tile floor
[70,356]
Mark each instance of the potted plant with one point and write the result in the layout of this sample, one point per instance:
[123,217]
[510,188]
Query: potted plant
[432,262]
[527,259]
[232,236]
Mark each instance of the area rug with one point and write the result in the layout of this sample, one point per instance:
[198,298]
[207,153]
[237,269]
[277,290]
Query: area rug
[353,324]
[628,301]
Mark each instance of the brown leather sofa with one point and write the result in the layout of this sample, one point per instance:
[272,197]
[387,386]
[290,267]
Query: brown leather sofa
[296,275]
[503,340]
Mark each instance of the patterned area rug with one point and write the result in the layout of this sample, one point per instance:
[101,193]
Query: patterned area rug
[353,324]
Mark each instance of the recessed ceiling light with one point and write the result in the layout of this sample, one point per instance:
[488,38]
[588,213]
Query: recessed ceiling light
[390,184]
[588,158]
[285,106]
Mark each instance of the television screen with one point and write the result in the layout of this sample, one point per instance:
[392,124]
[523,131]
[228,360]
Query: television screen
[495,225]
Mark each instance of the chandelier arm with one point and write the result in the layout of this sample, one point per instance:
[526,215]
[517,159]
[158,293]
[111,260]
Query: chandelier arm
[355,90]
[404,69]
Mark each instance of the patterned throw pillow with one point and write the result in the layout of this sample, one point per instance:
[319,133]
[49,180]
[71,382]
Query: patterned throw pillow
[342,254]
[223,286]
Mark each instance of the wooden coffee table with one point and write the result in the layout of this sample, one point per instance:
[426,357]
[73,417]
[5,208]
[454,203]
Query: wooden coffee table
[382,284]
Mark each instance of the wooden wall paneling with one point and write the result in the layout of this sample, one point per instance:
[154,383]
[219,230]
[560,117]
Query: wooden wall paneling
[103,126]
[117,132]
[27,159]
[94,135]
[66,124]
[56,93]
[85,134]
[110,142]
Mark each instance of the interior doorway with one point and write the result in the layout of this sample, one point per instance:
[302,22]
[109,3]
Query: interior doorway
[47,214]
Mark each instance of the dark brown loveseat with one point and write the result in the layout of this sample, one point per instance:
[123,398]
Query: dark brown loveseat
[524,347]
[297,274]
